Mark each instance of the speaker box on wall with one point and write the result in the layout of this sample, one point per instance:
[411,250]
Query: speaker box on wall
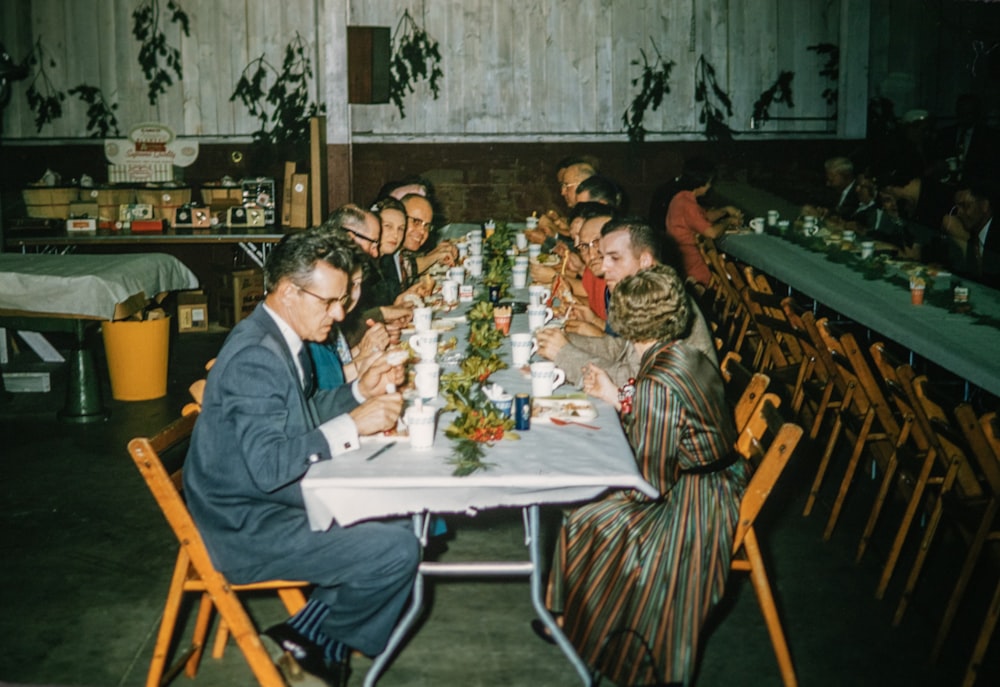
[367,64]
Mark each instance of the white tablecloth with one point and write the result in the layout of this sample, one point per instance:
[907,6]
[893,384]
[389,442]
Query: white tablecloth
[952,340]
[548,465]
[86,286]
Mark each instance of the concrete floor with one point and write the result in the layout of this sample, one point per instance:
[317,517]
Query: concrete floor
[87,556]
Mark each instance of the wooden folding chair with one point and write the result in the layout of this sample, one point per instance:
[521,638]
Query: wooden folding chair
[983,437]
[194,572]
[945,467]
[772,444]
[744,389]
[863,416]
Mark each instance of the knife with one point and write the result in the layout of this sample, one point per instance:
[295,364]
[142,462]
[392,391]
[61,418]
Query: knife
[381,451]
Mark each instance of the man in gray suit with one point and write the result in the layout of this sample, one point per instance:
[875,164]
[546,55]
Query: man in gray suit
[260,429]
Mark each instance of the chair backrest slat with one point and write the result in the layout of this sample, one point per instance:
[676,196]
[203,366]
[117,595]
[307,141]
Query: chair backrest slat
[775,440]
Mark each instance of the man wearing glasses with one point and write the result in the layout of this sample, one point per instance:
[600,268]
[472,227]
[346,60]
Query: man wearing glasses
[261,426]
[419,221]
[362,225]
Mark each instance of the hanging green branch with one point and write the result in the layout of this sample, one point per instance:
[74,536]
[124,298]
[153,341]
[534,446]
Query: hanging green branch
[101,119]
[44,99]
[712,114]
[146,29]
[830,70]
[279,99]
[655,80]
[779,92]
[415,57]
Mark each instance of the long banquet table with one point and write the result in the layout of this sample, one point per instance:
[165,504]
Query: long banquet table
[951,340]
[548,465]
[68,293]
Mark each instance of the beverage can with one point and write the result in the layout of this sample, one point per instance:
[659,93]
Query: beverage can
[522,411]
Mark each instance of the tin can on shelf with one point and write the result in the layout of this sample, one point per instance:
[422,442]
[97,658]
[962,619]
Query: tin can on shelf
[522,412]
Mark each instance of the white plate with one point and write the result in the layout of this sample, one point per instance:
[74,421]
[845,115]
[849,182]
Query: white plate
[569,409]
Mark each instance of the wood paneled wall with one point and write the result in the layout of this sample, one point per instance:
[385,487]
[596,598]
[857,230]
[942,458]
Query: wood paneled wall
[516,70]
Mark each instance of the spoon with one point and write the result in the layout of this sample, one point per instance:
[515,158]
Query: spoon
[562,423]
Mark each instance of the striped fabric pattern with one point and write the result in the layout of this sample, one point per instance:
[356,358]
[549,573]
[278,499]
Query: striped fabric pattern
[640,576]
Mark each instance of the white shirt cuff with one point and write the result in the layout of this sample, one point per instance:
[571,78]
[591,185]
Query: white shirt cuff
[341,435]
[357,392]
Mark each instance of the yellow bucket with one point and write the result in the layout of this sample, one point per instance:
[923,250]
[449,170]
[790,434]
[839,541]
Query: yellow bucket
[137,353]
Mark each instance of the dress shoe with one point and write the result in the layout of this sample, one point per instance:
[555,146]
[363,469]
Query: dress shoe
[302,662]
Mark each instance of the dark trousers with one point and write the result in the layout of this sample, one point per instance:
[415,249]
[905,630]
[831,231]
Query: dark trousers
[364,573]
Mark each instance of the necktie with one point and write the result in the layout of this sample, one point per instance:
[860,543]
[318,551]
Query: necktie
[403,276]
[308,374]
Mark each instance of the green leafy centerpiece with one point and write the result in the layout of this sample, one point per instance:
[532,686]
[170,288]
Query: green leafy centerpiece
[478,422]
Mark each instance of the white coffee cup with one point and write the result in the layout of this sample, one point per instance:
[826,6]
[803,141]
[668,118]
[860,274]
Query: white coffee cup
[426,378]
[531,222]
[538,294]
[539,316]
[757,224]
[519,276]
[457,275]
[867,249]
[463,249]
[521,347]
[475,235]
[848,236]
[422,318]
[449,291]
[419,420]
[545,378]
[474,265]
[772,218]
[521,260]
[475,249]
[425,344]
[534,250]
[520,240]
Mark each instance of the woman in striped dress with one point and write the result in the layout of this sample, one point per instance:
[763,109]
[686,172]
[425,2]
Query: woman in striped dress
[640,575]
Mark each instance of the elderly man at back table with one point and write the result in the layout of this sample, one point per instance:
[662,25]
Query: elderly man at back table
[260,429]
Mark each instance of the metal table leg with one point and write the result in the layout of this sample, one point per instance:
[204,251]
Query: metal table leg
[531,568]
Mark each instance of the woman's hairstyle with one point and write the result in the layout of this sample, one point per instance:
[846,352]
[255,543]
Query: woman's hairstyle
[296,255]
[650,305]
[388,203]
[697,172]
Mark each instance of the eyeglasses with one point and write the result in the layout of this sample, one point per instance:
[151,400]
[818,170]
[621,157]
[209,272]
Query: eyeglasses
[362,236]
[328,303]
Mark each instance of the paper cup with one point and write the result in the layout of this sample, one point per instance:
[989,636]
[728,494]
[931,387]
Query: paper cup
[426,379]
[504,403]
[422,318]
[449,291]
[867,249]
[420,423]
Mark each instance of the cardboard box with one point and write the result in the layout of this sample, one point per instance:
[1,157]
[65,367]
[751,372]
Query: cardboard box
[238,292]
[192,311]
